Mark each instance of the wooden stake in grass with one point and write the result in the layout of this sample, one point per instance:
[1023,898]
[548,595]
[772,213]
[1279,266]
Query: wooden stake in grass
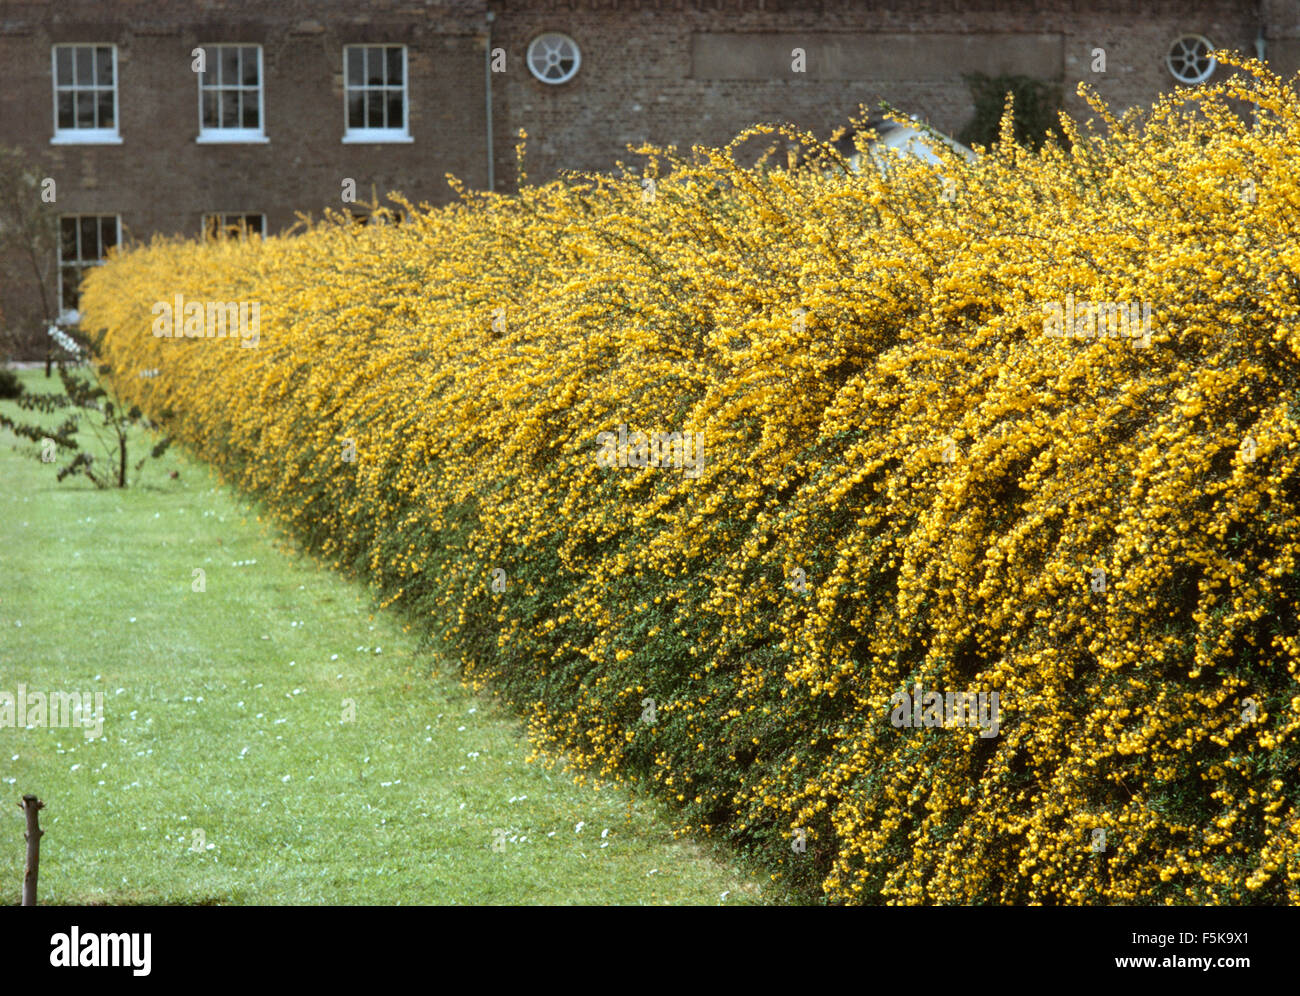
[31,806]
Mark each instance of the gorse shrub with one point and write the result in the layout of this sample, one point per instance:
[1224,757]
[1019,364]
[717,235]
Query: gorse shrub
[906,481]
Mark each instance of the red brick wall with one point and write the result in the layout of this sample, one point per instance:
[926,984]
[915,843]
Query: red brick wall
[160,180]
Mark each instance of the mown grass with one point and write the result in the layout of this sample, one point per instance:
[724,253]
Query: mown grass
[227,773]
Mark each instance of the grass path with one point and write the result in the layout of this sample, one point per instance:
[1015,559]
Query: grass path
[229,770]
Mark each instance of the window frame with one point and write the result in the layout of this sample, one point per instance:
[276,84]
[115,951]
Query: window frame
[384,216]
[217,135]
[357,136]
[222,227]
[74,314]
[75,135]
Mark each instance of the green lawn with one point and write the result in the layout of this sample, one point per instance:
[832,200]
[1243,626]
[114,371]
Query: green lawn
[226,772]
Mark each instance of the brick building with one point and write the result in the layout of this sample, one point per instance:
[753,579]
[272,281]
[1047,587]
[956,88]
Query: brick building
[294,98]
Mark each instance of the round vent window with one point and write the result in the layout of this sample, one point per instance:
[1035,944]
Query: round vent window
[1189,59]
[554,58]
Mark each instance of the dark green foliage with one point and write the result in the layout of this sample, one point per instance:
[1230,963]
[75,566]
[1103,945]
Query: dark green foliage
[10,385]
[1035,110]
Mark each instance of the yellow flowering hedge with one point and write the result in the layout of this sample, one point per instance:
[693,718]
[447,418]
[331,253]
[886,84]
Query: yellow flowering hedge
[906,481]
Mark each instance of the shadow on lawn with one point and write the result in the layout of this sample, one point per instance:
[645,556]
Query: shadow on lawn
[116,901]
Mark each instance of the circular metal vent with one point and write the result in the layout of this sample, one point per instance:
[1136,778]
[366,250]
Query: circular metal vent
[1189,59]
[554,58]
